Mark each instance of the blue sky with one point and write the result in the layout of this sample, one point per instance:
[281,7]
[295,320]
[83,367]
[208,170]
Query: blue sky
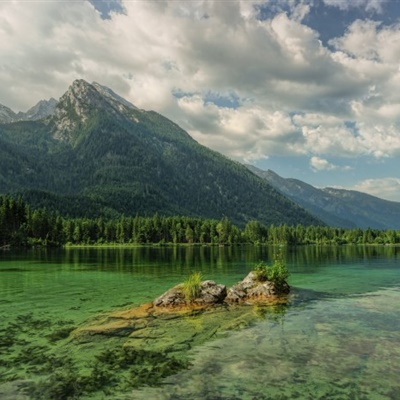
[307,88]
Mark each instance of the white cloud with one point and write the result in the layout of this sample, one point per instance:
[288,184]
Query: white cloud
[295,96]
[385,188]
[320,164]
[366,39]
[300,11]
[248,132]
[368,5]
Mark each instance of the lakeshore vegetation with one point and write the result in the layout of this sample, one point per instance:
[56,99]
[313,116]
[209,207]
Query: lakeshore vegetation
[22,226]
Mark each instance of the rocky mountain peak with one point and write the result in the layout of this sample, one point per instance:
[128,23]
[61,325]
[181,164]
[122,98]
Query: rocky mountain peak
[113,98]
[7,115]
[79,102]
[42,109]
[75,107]
[80,96]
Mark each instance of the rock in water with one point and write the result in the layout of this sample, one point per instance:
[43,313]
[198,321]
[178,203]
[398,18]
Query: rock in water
[210,293]
[171,298]
[251,289]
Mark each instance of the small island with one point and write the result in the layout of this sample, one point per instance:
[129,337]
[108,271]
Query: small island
[194,311]
[263,284]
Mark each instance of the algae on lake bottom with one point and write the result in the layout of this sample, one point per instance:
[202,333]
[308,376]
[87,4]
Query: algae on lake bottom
[143,345]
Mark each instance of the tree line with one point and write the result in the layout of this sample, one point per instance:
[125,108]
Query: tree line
[22,226]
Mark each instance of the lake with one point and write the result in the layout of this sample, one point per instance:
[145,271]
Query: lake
[337,338]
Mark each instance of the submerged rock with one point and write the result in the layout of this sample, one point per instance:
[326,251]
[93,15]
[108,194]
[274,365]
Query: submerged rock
[173,330]
[251,289]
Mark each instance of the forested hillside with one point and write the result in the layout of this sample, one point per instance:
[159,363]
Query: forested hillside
[98,155]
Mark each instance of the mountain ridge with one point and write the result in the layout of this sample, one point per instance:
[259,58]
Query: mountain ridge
[101,149]
[41,110]
[337,207]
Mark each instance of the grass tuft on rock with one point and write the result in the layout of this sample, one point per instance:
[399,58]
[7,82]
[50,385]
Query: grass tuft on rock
[191,286]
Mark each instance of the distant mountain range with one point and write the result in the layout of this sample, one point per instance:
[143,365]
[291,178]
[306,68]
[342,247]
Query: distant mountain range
[337,207]
[93,154]
[41,110]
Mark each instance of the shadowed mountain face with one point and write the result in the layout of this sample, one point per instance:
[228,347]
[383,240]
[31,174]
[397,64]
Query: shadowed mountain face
[337,207]
[97,154]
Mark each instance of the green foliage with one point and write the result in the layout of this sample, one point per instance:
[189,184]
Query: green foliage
[191,286]
[262,271]
[277,273]
[22,226]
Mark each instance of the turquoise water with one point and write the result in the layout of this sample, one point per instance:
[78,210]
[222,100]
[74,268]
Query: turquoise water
[338,338]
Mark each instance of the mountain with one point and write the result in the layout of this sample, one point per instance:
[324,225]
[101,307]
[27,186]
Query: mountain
[383,213]
[99,155]
[42,109]
[337,207]
[7,115]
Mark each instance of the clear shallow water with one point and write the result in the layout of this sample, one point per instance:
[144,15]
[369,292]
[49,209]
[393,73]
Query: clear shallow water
[341,349]
[339,338]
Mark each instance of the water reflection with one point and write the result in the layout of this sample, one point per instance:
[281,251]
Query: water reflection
[231,262]
[312,255]
[201,256]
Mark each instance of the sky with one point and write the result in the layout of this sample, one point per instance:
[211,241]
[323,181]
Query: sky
[307,88]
